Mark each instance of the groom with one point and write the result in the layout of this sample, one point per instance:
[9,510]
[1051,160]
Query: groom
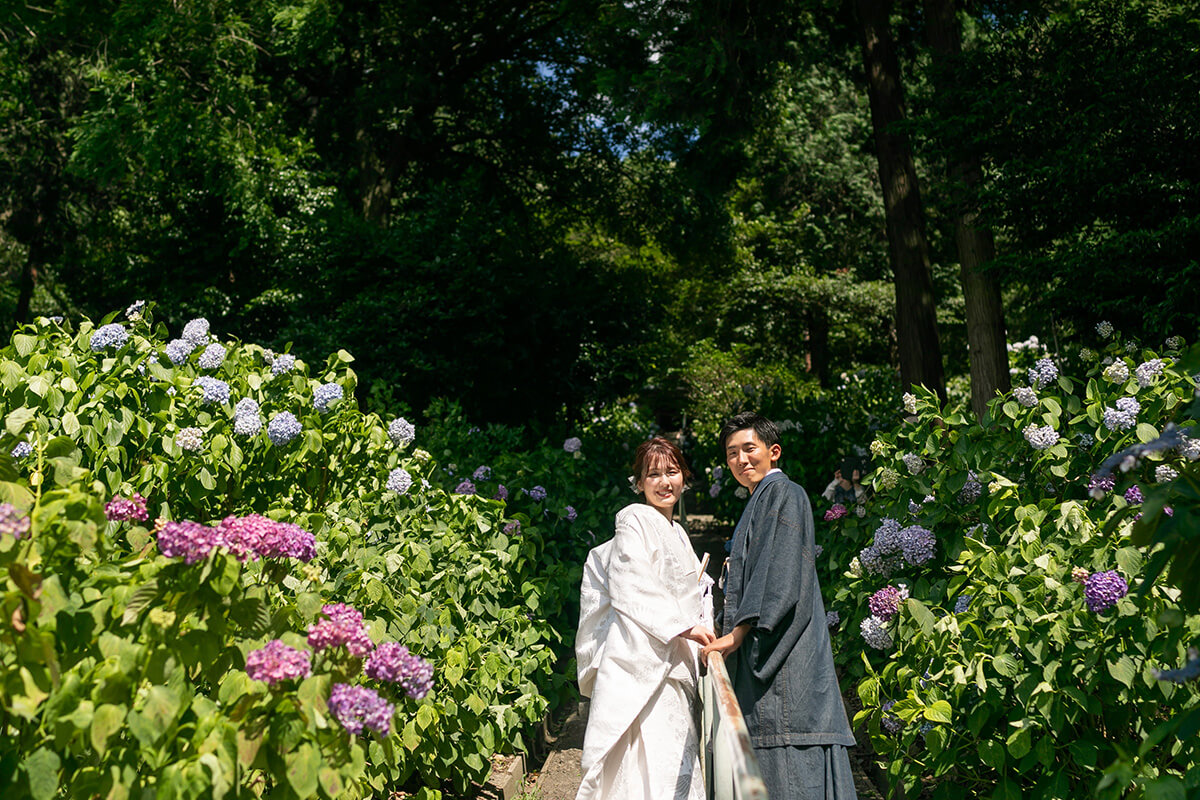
[776,643]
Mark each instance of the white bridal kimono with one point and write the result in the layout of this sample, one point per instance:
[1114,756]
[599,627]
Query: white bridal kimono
[639,591]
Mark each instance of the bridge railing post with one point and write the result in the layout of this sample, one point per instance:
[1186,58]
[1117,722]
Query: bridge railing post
[730,769]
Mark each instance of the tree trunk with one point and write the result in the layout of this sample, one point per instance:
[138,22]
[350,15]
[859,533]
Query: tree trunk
[916,317]
[976,246]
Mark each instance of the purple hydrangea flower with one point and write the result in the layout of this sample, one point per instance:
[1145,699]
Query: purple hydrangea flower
[342,627]
[212,357]
[215,391]
[512,528]
[401,431]
[971,490]
[537,493]
[399,481]
[178,350]
[836,511]
[885,603]
[482,473]
[121,510]
[1100,484]
[255,536]
[501,493]
[283,428]
[277,662]
[714,490]
[12,522]
[358,708]
[326,395]
[466,487]
[1042,373]
[188,540]
[393,663]
[111,335]
[1103,589]
[1133,495]
[572,445]
[196,331]
[571,514]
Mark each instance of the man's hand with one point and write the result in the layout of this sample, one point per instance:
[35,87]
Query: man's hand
[727,643]
[700,635]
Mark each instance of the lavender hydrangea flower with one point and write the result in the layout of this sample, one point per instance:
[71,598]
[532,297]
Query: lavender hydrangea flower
[714,490]
[21,450]
[482,473]
[12,522]
[466,487]
[874,633]
[1026,396]
[120,509]
[1188,672]
[110,335]
[501,492]
[342,627]
[573,444]
[399,481]
[277,662]
[196,331]
[1117,372]
[962,603]
[572,514]
[1042,373]
[1100,484]
[971,490]
[1133,495]
[910,402]
[188,540]
[885,603]
[1103,590]
[189,439]
[393,663]
[283,364]
[325,395]
[1165,473]
[893,547]
[358,708]
[1104,329]
[512,528]
[832,619]
[914,463]
[212,357]
[283,428]
[215,391]
[1148,371]
[1040,437]
[178,350]
[888,721]
[537,494]
[401,431]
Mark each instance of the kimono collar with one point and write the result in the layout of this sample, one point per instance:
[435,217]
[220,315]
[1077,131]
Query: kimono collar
[773,475]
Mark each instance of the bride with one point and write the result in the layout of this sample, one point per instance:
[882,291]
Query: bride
[645,607]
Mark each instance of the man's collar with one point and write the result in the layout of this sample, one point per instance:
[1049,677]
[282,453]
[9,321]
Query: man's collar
[767,477]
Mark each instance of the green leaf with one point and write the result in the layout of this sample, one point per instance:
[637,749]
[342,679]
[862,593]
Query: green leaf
[303,764]
[41,767]
[991,753]
[1005,665]
[107,720]
[16,420]
[1123,670]
[24,343]
[921,615]
[1020,742]
[1146,432]
[939,711]
[1167,787]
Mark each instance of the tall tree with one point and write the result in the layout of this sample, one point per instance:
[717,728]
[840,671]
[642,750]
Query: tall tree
[916,316]
[976,244]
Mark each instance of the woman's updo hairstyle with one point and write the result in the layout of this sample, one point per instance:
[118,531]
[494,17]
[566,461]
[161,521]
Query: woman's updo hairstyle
[652,451]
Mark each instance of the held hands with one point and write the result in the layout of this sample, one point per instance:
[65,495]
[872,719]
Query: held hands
[699,634]
[727,643]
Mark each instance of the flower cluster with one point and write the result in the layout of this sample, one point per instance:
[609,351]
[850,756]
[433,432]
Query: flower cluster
[134,311]
[342,627]
[283,428]
[357,707]
[1133,495]
[482,473]
[277,662]
[913,462]
[833,619]
[12,522]
[962,603]
[255,536]
[246,419]
[889,722]
[399,481]
[714,490]
[1148,371]
[885,603]
[401,431]
[1079,575]
[971,490]
[537,494]
[1103,589]
[1174,343]
[512,528]
[189,439]
[215,391]
[1026,396]
[836,512]
[196,331]
[466,487]
[1042,373]
[1099,484]
[1041,437]
[501,492]
[887,479]
[283,364]
[874,633]
[1104,329]
[120,509]
[1087,355]
[325,395]
[879,448]
[1086,440]
[1165,473]
[393,663]
[572,445]
[1117,372]
[212,357]
[178,350]
[894,547]
[21,450]
[910,403]
[188,540]
[1189,448]
[110,335]
[572,514]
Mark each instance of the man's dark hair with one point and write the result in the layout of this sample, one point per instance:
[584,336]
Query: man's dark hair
[764,429]
[848,465]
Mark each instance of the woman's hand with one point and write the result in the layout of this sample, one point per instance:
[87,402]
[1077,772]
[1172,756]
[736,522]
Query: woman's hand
[699,634]
[727,643]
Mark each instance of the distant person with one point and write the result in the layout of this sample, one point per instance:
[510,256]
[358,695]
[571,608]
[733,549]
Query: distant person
[775,641]
[846,488]
[645,611]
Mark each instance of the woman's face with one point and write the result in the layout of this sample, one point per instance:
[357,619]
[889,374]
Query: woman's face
[662,484]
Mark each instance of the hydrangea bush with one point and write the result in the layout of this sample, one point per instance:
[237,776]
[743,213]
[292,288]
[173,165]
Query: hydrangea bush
[1011,645]
[167,555]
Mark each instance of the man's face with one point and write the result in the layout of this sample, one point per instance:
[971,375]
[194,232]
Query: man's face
[748,458]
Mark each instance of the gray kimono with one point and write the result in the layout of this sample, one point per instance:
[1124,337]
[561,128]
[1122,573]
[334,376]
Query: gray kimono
[783,673]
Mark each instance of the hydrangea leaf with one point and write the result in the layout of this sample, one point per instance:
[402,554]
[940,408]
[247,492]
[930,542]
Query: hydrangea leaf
[41,767]
[303,764]
[1123,670]
[938,711]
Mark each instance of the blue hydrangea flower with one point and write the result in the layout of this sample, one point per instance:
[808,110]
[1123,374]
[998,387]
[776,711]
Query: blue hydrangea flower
[325,395]
[110,335]
[1147,372]
[572,445]
[245,406]
[247,424]
[833,619]
[22,450]
[1042,373]
[134,312]
[212,357]
[1124,416]
[1041,437]
[962,603]
[401,431]
[482,473]
[890,722]
[537,493]
[399,481]
[971,490]
[196,331]
[178,350]
[215,391]
[283,363]
[283,428]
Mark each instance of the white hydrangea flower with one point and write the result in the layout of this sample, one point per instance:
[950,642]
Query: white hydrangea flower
[1117,372]
[1165,473]
[1104,329]
[910,403]
[1026,396]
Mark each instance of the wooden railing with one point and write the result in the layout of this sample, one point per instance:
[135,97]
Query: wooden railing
[730,768]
